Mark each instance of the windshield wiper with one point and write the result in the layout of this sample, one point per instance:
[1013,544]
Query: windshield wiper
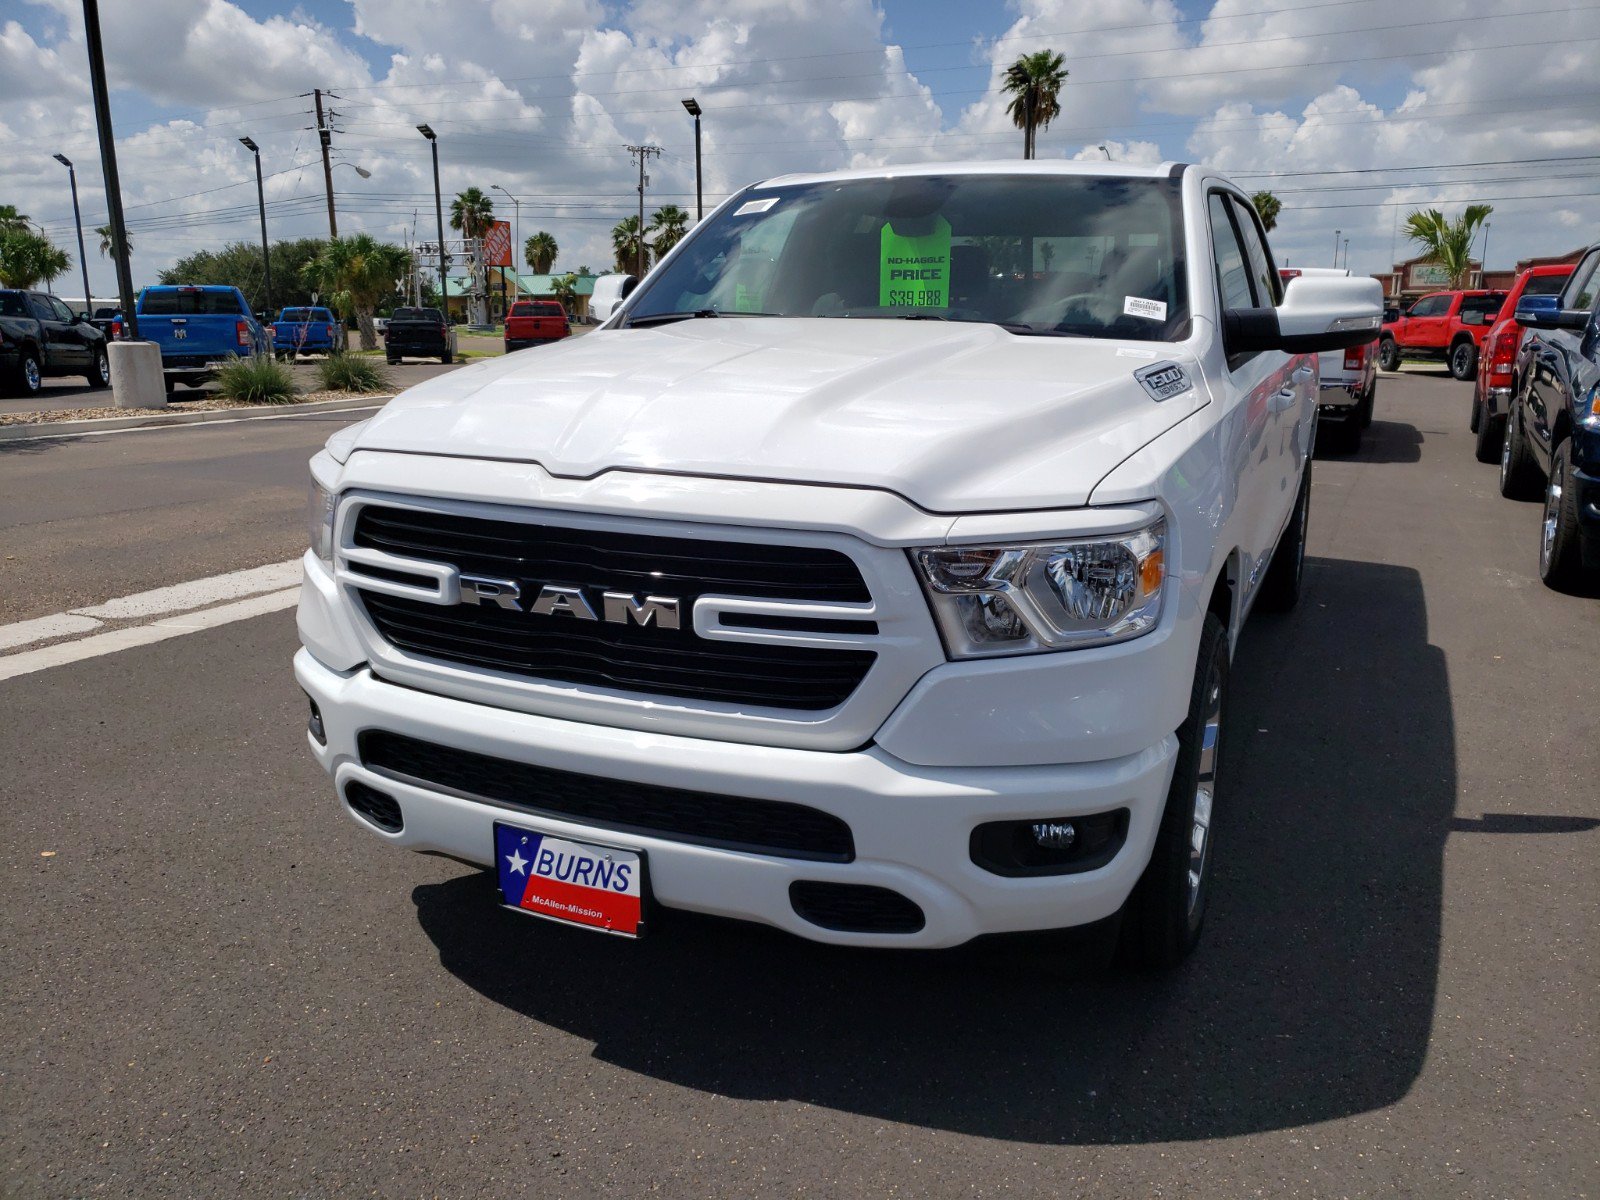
[668,318]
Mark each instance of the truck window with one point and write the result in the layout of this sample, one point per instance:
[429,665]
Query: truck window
[1545,285]
[1430,306]
[186,303]
[1482,306]
[1074,256]
[1233,276]
[1268,287]
[11,305]
[1581,288]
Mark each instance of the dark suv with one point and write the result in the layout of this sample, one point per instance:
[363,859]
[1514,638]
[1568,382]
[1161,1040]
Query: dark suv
[40,337]
[1553,428]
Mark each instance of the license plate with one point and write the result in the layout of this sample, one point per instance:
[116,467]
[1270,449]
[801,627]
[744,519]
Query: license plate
[600,887]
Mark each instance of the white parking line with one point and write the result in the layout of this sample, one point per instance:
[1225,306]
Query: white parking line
[143,635]
[20,633]
[197,593]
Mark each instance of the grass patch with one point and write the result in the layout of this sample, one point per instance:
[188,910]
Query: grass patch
[260,379]
[351,373]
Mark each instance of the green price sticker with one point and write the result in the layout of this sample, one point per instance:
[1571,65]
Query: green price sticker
[914,271]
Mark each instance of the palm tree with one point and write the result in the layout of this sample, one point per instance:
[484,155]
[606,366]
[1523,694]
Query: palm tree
[355,273]
[108,239]
[1448,243]
[10,218]
[27,258]
[626,245]
[471,213]
[540,250]
[669,224]
[1268,207]
[1034,82]
[565,288]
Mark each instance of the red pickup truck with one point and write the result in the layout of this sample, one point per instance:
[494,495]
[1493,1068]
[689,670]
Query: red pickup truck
[533,322]
[1491,396]
[1445,326]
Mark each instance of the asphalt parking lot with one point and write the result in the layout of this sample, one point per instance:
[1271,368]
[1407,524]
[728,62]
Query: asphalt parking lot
[215,984]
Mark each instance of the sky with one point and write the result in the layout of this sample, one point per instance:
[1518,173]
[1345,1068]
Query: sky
[1352,111]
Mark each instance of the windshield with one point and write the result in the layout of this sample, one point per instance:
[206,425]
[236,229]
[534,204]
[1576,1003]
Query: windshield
[418,314]
[1076,256]
[188,302]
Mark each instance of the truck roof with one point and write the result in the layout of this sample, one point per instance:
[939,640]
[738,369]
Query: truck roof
[992,167]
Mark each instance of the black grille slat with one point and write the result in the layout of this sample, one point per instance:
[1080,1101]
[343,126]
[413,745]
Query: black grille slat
[771,827]
[627,657]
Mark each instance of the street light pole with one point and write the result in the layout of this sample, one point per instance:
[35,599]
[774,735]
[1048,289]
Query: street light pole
[77,217]
[438,211]
[694,110]
[108,162]
[1347,254]
[517,205]
[1483,260]
[261,203]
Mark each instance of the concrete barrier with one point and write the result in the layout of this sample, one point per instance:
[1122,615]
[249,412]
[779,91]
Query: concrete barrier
[136,380]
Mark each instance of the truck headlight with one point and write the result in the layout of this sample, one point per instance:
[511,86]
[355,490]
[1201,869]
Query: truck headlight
[1052,596]
[321,504]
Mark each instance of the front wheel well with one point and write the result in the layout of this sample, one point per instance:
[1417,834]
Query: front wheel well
[1222,593]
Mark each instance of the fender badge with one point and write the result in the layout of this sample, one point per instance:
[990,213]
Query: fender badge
[1163,380]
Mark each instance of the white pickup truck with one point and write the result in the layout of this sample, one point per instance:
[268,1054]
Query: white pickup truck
[873,573]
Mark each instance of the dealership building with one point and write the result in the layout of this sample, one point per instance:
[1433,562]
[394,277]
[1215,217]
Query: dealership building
[1417,276]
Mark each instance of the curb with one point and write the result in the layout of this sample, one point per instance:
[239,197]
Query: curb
[49,429]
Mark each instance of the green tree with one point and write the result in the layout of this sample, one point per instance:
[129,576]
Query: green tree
[540,250]
[1034,82]
[565,288]
[1448,243]
[238,264]
[1268,207]
[626,245]
[669,223]
[584,270]
[108,239]
[471,213]
[355,273]
[10,218]
[27,258]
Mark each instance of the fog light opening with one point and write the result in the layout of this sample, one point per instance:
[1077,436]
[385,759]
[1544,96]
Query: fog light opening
[1054,846]
[314,724]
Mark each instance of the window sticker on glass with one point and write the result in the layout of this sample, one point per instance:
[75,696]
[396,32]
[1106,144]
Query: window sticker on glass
[914,264]
[1138,306]
[755,206]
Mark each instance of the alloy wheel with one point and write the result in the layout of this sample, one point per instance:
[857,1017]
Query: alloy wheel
[1552,517]
[1505,455]
[31,378]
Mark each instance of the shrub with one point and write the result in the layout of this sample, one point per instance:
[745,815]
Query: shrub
[351,373]
[259,379]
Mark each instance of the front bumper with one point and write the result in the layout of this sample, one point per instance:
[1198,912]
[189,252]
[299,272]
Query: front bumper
[911,825]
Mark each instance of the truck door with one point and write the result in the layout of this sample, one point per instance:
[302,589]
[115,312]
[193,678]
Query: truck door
[1559,362]
[1428,322]
[59,352]
[1254,398]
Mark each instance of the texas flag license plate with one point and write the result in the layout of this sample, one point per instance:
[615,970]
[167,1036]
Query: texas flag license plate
[575,882]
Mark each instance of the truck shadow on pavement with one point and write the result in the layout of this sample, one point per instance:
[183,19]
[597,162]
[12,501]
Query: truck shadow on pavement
[1381,442]
[1311,996]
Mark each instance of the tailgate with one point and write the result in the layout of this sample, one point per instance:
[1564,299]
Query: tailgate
[210,336]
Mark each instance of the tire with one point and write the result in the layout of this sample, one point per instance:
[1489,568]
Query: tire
[1388,355]
[392,361]
[1369,402]
[1519,476]
[447,358]
[170,384]
[1280,590]
[1491,434]
[1560,541]
[99,374]
[1477,410]
[29,377]
[1162,920]
[1464,360]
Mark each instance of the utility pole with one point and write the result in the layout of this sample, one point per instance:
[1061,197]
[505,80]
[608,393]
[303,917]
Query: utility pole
[108,162]
[438,211]
[1336,234]
[261,203]
[692,106]
[83,258]
[325,136]
[643,154]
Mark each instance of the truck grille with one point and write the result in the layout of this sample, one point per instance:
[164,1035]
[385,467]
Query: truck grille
[773,827]
[627,657]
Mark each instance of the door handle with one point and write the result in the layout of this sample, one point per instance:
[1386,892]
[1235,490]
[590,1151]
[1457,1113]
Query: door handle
[1283,401]
[1303,374]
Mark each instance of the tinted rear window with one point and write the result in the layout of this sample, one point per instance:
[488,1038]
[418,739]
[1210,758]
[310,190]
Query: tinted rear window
[1482,304]
[303,315]
[11,305]
[1545,285]
[189,304]
[417,314]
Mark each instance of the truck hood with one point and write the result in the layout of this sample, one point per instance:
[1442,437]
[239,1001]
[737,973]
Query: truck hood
[956,418]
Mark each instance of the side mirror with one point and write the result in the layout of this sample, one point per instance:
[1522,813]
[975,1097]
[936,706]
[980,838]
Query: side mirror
[85,318]
[1318,313]
[1529,305]
[1574,319]
[628,284]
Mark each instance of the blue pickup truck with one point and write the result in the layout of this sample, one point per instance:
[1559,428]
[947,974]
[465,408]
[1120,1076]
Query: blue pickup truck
[198,327]
[307,331]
